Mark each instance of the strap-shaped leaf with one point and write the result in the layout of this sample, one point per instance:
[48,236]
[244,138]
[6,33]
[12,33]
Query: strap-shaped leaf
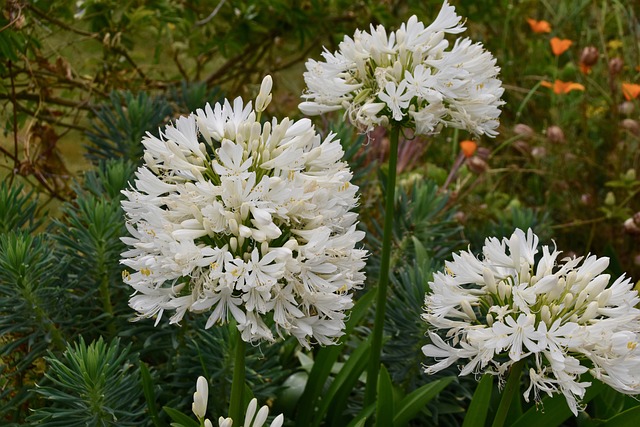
[180,419]
[324,361]
[415,401]
[477,413]
[384,409]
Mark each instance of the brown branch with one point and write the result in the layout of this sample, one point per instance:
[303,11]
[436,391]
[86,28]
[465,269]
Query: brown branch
[59,23]
[49,119]
[228,66]
[14,20]
[85,105]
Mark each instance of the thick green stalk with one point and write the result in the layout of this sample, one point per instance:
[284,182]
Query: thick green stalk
[510,389]
[236,405]
[378,327]
[105,295]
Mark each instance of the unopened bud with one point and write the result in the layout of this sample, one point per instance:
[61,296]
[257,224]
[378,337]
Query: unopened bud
[524,131]
[589,56]
[586,199]
[631,227]
[539,152]
[460,217]
[483,153]
[555,134]
[626,108]
[545,314]
[615,66]
[631,125]
[630,175]
[264,97]
[522,147]
[477,165]
[610,199]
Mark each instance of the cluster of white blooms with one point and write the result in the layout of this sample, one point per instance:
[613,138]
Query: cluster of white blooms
[252,418]
[409,77]
[236,217]
[563,319]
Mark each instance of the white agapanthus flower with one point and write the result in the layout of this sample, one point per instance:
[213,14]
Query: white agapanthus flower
[246,220]
[408,77]
[253,418]
[518,303]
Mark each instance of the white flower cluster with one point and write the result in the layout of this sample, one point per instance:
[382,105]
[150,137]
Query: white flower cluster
[409,77]
[506,307]
[252,418]
[234,217]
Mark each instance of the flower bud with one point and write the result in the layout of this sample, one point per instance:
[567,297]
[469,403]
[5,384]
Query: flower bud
[631,227]
[615,66]
[539,152]
[200,397]
[610,199]
[630,175]
[483,153]
[589,56]
[524,131]
[631,125]
[522,147]
[555,134]
[477,165]
[264,97]
[586,199]
[626,108]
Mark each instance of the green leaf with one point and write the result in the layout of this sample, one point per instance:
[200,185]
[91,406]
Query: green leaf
[149,394]
[324,361]
[179,418]
[415,401]
[362,416]
[344,381]
[477,413]
[384,409]
[628,418]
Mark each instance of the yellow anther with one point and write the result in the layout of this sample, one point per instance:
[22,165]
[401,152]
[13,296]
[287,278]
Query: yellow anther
[145,271]
[631,345]
[126,275]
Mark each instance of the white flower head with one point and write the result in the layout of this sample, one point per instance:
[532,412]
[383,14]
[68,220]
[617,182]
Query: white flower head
[408,78]
[246,220]
[517,303]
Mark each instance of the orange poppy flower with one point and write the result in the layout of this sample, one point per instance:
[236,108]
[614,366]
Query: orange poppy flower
[468,147]
[560,46]
[539,26]
[630,90]
[560,87]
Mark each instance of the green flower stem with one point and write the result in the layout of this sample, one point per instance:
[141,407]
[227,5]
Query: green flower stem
[236,405]
[378,327]
[105,295]
[511,389]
